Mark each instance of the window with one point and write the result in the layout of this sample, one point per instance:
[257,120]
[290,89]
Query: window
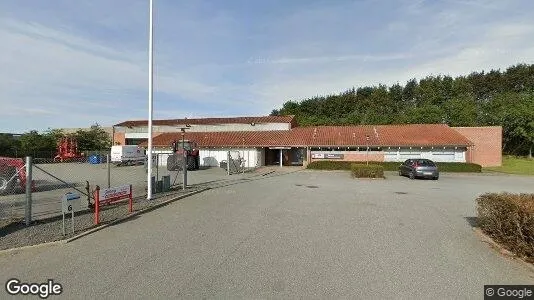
[425,163]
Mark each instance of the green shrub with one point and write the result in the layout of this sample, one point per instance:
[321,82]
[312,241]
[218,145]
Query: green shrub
[459,167]
[330,165]
[367,171]
[509,220]
[393,166]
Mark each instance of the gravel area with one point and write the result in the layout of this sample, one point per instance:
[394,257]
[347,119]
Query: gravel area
[14,233]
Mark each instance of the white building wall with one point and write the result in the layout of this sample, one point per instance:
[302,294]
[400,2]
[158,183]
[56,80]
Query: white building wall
[213,157]
[438,155]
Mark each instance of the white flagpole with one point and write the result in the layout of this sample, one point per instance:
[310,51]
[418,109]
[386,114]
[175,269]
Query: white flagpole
[150,100]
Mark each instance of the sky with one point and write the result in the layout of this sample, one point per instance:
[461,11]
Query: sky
[71,64]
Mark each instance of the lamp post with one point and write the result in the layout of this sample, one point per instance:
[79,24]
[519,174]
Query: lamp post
[184,156]
[367,152]
[150,99]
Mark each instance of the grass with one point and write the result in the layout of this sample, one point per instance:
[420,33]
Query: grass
[514,165]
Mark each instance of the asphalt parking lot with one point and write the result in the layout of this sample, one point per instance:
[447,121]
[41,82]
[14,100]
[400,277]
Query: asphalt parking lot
[307,234]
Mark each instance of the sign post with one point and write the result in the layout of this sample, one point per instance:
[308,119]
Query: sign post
[70,203]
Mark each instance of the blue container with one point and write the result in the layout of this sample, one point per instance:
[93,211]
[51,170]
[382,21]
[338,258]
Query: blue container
[95,159]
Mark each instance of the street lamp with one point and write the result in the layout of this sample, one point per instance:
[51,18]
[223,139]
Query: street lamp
[184,155]
[367,152]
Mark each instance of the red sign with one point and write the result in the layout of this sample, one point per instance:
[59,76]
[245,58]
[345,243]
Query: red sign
[110,196]
[114,194]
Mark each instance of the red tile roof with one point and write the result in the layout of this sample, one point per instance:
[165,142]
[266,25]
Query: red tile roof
[211,121]
[380,135]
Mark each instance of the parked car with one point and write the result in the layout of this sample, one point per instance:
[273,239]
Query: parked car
[419,167]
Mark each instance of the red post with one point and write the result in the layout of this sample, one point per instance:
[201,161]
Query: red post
[130,202]
[97,205]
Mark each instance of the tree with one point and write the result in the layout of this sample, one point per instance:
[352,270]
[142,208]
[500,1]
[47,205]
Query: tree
[478,99]
[34,144]
[8,145]
[94,139]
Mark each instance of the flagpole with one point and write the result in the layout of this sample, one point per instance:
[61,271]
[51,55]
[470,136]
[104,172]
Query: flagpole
[150,99]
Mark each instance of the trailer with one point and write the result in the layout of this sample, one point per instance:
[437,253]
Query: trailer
[128,155]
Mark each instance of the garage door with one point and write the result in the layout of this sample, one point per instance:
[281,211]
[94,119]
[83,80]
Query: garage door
[443,155]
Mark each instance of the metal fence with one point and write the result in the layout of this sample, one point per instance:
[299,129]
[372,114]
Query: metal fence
[52,179]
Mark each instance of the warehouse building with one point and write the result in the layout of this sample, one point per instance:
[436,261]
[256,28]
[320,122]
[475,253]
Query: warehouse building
[278,140]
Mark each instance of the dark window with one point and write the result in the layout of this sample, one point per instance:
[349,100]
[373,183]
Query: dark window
[425,163]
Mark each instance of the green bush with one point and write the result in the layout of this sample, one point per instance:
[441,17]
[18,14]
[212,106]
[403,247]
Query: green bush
[509,220]
[459,167]
[367,171]
[393,166]
[330,165]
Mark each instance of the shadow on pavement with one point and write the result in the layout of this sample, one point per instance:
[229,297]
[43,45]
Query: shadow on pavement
[472,221]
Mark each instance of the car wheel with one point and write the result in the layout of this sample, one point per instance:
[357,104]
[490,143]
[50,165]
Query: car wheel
[412,175]
[435,178]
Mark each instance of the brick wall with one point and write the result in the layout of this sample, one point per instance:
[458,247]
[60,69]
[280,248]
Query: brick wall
[487,150]
[119,138]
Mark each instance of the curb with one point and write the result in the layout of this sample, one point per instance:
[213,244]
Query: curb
[85,233]
[500,249]
[6,251]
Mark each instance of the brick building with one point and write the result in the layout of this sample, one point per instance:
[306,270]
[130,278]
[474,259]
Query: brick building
[278,140]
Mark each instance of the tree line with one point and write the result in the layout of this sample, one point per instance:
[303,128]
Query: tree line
[495,98]
[45,145]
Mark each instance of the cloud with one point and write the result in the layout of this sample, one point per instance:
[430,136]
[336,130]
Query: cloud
[442,41]
[71,63]
[328,59]
[52,70]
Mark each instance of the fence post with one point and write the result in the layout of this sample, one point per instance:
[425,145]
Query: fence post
[97,205]
[109,170]
[29,181]
[157,168]
[228,157]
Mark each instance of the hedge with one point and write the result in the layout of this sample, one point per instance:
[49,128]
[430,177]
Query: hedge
[393,166]
[509,220]
[367,171]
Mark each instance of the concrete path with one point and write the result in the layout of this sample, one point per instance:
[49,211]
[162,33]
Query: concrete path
[301,235]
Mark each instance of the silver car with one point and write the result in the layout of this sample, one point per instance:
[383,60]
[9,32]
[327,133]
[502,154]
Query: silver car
[419,168]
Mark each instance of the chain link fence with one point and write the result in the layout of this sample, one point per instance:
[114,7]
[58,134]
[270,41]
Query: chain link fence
[52,179]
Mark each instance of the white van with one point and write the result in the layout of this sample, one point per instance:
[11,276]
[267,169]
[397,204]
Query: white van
[127,155]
